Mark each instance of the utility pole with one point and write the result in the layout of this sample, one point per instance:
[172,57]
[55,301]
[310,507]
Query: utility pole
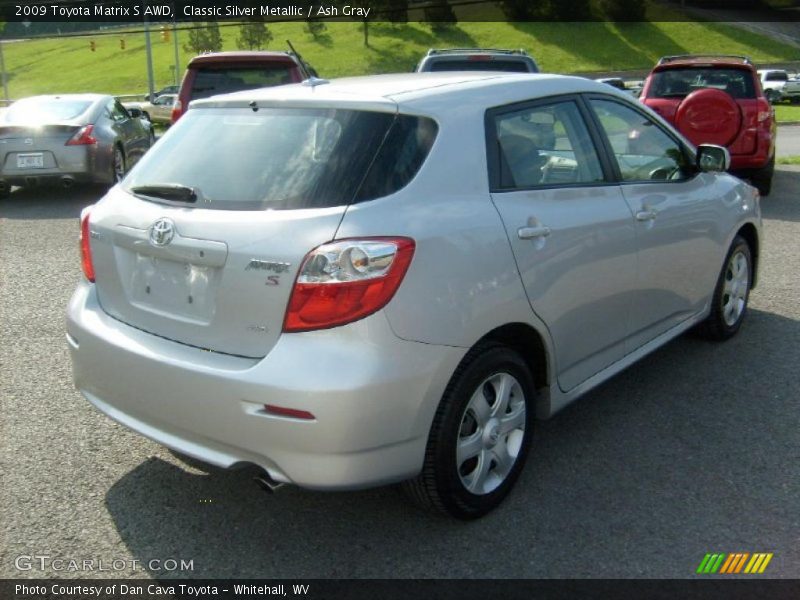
[149,51]
[175,47]
[3,70]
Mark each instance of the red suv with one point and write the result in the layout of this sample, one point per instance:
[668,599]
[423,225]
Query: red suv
[224,72]
[718,100]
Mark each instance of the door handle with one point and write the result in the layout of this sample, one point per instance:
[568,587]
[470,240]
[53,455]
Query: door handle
[646,215]
[529,233]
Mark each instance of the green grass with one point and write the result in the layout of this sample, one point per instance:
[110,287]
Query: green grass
[67,64]
[788,160]
[785,113]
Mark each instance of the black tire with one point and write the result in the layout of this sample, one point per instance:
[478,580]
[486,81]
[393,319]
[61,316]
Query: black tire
[762,178]
[442,484]
[118,170]
[720,325]
[772,96]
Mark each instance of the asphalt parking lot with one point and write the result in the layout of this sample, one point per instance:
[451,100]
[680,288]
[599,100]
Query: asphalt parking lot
[695,449]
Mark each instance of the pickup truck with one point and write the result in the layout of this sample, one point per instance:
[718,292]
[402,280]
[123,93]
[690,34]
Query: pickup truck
[779,86]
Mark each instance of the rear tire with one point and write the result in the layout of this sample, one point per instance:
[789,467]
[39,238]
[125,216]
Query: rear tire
[762,178]
[480,435]
[729,304]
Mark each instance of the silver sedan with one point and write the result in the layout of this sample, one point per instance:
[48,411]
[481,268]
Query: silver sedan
[69,138]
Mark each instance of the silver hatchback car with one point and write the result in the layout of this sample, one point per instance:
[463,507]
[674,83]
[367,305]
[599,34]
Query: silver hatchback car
[387,279]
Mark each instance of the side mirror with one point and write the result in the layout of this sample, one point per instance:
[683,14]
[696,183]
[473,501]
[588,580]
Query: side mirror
[713,159]
[135,113]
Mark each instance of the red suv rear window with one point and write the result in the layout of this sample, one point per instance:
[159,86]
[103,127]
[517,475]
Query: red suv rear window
[222,80]
[680,82]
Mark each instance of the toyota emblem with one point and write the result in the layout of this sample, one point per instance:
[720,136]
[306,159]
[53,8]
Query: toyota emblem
[162,232]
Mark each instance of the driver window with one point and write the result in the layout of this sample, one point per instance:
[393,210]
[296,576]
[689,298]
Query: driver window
[643,150]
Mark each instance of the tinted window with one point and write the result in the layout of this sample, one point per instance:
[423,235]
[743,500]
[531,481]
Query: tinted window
[677,83]
[545,145]
[777,76]
[209,82]
[643,151]
[34,110]
[284,158]
[507,66]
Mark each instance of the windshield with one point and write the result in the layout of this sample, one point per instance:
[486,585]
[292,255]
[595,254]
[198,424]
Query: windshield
[237,159]
[508,66]
[43,110]
[223,80]
[677,83]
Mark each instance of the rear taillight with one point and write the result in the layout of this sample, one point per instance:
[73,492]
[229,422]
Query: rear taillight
[344,281]
[83,137]
[765,110]
[177,111]
[86,249]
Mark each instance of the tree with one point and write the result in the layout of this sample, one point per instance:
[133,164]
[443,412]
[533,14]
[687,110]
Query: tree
[624,10]
[253,35]
[440,15]
[204,39]
[315,27]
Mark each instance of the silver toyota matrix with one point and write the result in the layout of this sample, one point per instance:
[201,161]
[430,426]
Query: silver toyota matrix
[388,279]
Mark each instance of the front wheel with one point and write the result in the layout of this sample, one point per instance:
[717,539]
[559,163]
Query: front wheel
[729,304]
[480,435]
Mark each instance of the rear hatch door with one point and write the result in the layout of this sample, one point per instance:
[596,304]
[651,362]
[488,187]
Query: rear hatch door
[214,266]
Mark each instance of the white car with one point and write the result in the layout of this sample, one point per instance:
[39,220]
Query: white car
[385,279]
[777,85]
[158,110]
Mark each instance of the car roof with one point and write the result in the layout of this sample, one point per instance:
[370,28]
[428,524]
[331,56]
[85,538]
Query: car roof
[85,97]
[710,60]
[433,93]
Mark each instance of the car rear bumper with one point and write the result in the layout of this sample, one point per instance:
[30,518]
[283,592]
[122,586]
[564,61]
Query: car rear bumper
[373,397]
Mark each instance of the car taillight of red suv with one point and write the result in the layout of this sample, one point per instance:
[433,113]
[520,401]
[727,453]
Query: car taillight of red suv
[718,100]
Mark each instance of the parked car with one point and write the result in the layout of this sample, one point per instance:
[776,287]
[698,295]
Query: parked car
[225,72]
[318,294]
[718,99]
[157,111]
[619,83]
[777,85]
[69,138]
[169,89]
[477,59]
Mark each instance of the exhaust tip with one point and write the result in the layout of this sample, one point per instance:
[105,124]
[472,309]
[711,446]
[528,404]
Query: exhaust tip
[267,483]
[67,182]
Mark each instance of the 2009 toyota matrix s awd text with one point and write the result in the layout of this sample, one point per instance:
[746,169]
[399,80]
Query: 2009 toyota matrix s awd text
[385,279]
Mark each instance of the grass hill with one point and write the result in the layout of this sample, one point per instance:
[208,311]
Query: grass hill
[67,64]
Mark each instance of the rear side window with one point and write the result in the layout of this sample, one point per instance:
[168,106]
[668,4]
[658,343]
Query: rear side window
[237,159]
[209,82]
[776,76]
[43,110]
[506,66]
[543,145]
[677,83]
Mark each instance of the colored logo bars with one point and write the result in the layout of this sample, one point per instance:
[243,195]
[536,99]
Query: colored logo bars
[734,563]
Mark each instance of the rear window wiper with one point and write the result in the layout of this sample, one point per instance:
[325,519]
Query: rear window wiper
[167,191]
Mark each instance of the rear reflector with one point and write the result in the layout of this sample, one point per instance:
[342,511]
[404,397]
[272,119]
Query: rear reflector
[345,281]
[86,249]
[294,413]
[83,137]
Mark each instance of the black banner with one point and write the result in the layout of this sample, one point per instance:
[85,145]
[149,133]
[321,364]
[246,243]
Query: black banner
[480,589]
[135,11]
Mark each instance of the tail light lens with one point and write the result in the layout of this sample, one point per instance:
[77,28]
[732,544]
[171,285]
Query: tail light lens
[177,111]
[344,281]
[765,110]
[83,137]
[86,249]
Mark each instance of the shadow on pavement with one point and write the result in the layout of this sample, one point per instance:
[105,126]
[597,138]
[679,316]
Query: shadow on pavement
[783,203]
[650,470]
[49,201]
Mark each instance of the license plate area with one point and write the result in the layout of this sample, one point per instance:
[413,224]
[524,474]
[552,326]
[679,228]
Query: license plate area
[173,289]
[30,160]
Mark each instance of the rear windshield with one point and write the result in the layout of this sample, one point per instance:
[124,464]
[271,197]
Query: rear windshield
[212,81]
[237,159]
[677,83]
[34,110]
[507,66]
